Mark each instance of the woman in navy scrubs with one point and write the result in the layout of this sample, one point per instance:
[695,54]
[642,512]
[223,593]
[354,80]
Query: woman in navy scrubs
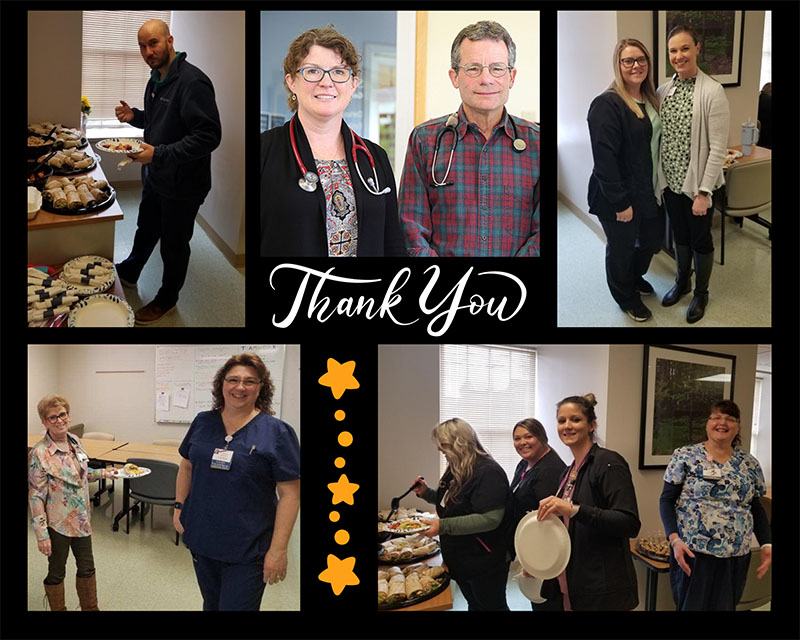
[234,459]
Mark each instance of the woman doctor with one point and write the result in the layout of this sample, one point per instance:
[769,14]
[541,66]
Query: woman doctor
[320,193]
[233,459]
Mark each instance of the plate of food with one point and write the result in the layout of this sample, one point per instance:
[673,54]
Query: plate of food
[72,138]
[405,527]
[88,275]
[102,310]
[76,196]
[411,585]
[655,547]
[68,162]
[408,549]
[130,470]
[119,145]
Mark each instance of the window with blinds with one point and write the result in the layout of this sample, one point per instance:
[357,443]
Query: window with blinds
[113,68]
[491,387]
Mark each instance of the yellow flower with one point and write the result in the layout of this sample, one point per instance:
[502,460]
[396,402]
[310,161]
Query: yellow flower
[86,106]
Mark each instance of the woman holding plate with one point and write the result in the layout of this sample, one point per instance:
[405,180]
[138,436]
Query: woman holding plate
[597,503]
[234,459]
[473,505]
[58,494]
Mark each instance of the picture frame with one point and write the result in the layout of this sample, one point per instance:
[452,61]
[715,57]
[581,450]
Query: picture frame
[721,36]
[679,385]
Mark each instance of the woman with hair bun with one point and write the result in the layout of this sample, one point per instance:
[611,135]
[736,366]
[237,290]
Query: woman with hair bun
[473,505]
[597,502]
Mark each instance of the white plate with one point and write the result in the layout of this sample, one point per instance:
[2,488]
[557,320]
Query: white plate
[102,310]
[420,529]
[531,588]
[88,289]
[543,547]
[102,145]
[120,474]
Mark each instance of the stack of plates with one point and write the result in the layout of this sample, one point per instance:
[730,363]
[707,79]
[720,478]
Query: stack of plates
[102,310]
[542,546]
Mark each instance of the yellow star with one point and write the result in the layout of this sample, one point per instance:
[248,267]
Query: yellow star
[339,377]
[339,573]
[342,490]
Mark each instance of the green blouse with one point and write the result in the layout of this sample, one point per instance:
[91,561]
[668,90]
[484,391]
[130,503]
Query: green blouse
[676,117]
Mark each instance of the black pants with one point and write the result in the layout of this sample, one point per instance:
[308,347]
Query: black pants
[716,584]
[688,229]
[629,249]
[172,222]
[486,592]
[229,587]
[57,561]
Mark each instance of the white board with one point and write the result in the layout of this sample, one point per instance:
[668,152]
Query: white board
[184,376]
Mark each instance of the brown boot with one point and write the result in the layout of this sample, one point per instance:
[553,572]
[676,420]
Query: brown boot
[55,596]
[87,592]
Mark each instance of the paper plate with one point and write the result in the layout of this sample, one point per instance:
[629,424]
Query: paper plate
[109,145]
[102,310]
[88,289]
[531,588]
[543,547]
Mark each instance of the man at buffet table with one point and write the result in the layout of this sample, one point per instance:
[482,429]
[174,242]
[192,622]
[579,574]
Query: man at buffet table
[181,128]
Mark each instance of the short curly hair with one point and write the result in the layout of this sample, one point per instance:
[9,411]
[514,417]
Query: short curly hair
[245,359]
[48,402]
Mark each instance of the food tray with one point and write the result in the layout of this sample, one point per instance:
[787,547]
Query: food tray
[411,602]
[97,206]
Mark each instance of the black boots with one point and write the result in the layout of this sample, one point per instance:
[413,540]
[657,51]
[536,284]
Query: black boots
[703,263]
[683,279]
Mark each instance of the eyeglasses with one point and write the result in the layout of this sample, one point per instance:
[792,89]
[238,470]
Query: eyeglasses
[726,419]
[497,69]
[61,416]
[247,382]
[315,74]
[629,62]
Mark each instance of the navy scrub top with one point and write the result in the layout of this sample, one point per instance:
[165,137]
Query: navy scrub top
[229,515]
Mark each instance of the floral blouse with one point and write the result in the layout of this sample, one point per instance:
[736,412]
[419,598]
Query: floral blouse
[676,141]
[341,220]
[58,488]
[713,512]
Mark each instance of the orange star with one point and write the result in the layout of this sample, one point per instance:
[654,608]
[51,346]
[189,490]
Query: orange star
[342,490]
[339,573]
[339,377]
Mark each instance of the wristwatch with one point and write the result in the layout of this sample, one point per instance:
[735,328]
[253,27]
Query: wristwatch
[705,193]
[178,505]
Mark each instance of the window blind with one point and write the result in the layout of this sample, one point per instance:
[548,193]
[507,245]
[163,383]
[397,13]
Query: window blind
[492,387]
[112,67]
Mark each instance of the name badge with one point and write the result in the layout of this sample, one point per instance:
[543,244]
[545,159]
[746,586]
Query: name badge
[222,459]
[82,457]
[712,473]
[671,91]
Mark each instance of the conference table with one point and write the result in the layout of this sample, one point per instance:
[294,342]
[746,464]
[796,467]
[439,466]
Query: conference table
[116,453]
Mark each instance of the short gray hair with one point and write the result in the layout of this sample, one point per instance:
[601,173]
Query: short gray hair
[483,30]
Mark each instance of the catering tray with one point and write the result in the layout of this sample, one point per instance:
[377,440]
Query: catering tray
[62,171]
[412,601]
[47,205]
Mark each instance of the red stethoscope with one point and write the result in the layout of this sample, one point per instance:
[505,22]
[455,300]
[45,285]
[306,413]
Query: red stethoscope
[308,181]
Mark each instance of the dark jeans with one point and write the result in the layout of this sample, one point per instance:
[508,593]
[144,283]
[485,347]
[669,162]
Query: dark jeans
[229,587]
[629,249]
[688,229]
[486,592]
[57,561]
[172,222]
[716,584]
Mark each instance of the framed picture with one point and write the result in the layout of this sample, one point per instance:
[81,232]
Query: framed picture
[721,36]
[679,385]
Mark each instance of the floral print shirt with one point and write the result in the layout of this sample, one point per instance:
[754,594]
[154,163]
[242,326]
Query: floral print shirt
[58,488]
[713,512]
[676,141]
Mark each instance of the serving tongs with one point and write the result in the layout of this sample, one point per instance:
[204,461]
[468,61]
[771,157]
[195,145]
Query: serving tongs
[396,501]
[58,145]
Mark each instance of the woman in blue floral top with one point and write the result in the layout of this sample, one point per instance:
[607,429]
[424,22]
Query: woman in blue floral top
[710,509]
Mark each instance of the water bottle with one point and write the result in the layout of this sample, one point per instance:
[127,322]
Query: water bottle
[749,137]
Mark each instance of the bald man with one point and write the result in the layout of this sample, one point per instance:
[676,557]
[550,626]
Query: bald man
[181,129]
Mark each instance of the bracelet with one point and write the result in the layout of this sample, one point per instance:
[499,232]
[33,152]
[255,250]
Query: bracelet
[673,541]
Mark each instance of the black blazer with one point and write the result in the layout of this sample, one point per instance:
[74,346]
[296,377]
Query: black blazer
[600,573]
[293,220]
[623,166]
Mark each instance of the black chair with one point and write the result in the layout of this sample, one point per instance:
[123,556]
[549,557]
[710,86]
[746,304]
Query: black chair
[156,488]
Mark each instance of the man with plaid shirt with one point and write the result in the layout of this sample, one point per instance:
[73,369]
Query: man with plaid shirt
[489,205]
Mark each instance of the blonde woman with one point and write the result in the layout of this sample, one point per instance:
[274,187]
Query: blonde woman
[625,129]
[473,505]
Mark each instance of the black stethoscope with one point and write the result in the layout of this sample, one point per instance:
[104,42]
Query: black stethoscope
[308,180]
[519,146]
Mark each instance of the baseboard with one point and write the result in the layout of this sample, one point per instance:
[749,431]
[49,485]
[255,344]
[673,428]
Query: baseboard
[584,217]
[235,259]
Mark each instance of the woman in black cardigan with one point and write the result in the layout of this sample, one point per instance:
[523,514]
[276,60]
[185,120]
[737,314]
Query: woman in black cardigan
[342,214]
[624,127]
[597,501]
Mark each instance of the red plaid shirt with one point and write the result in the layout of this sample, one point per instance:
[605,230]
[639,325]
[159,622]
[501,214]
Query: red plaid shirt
[492,209]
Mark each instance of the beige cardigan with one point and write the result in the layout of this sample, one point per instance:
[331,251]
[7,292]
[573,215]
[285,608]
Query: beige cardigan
[709,143]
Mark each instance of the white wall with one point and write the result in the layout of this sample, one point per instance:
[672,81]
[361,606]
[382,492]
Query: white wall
[122,403]
[214,42]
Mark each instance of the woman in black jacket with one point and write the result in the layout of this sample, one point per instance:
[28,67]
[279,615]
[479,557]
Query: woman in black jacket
[597,502]
[318,198]
[624,127]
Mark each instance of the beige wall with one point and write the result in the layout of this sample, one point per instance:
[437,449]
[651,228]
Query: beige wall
[443,26]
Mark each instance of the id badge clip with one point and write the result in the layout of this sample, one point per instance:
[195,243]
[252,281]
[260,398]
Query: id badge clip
[222,458]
